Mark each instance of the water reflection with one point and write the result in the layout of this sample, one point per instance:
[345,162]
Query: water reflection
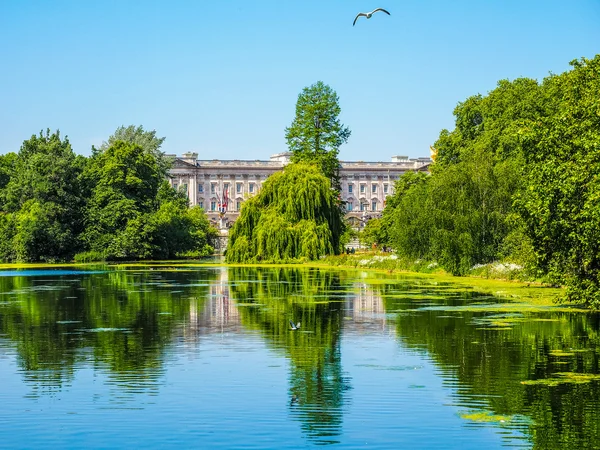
[269,299]
[364,310]
[530,374]
[216,313]
[516,369]
[120,320]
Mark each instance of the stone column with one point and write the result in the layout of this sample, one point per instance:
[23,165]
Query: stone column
[194,189]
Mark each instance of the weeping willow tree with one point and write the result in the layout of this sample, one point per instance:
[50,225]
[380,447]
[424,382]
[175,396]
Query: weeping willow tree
[296,216]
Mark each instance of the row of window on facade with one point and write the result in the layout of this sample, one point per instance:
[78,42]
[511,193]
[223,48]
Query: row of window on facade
[239,188]
[363,206]
[214,206]
[363,188]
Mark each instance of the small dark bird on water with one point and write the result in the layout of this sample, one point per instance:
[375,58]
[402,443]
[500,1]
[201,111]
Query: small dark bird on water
[369,14]
[294,326]
[294,400]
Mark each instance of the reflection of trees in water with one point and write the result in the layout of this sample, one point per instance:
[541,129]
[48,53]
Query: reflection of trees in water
[491,352]
[316,299]
[120,320]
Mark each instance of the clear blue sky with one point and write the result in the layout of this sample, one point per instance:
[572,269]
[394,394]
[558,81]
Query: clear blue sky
[222,77]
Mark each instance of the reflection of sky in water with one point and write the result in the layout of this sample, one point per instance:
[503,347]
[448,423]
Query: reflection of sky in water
[145,366]
[45,272]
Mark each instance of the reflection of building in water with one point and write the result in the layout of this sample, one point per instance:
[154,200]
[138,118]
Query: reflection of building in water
[366,309]
[216,313]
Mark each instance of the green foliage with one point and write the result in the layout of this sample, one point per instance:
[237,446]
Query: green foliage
[40,235]
[373,233]
[180,231]
[316,133]
[561,203]
[462,214]
[401,187]
[8,230]
[7,168]
[348,235]
[128,171]
[145,139]
[44,199]
[295,216]
[517,180]
[87,257]
[134,214]
[116,204]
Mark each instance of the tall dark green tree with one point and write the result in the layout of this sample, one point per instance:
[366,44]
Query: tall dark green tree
[316,133]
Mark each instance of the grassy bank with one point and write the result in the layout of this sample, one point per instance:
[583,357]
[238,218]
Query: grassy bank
[391,262]
[498,279]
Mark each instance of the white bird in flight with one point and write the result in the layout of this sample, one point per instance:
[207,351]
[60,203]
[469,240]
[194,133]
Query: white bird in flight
[369,14]
[294,326]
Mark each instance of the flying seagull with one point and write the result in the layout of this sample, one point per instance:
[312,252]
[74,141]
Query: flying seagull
[294,326]
[369,14]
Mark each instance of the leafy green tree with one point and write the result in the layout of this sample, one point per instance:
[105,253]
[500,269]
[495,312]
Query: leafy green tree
[181,231]
[561,202]
[373,233]
[457,217]
[134,214]
[491,123]
[127,181]
[296,215]
[40,235]
[316,133]
[46,169]
[401,187]
[46,197]
[7,168]
[463,214]
[129,170]
[145,139]
[8,230]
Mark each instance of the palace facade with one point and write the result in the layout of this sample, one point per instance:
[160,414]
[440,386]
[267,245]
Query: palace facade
[221,186]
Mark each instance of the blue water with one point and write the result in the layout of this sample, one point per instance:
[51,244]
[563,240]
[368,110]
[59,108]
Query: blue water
[45,272]
[205,358]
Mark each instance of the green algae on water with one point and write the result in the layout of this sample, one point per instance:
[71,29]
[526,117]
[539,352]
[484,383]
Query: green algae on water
[484,417]
[564,378]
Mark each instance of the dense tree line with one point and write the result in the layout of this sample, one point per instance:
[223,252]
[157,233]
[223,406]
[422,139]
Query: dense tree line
[115,204]
[516,180]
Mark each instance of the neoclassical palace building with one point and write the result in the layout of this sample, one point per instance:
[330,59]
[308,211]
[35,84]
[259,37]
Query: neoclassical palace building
[221,186]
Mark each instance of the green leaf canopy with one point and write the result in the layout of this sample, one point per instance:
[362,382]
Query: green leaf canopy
[295,216]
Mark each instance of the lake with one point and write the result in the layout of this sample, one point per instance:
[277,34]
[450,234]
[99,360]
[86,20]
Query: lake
[205,357]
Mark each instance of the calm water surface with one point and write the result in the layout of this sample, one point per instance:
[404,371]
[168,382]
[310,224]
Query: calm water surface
[205,358]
